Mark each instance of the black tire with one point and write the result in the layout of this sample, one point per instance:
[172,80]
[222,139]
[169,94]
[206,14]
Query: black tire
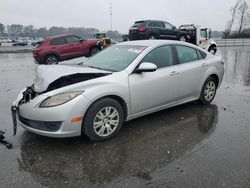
[152,37]
[212,50]
[183,38]
[51,60]
[94,50]
[207,94]
[92,113]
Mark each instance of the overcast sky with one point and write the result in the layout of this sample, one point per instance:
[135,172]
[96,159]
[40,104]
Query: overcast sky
[95,13]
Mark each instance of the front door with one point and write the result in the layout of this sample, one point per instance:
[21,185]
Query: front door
[150,90]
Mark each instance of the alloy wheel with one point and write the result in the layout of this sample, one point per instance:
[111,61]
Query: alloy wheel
[106,121]
[210,90]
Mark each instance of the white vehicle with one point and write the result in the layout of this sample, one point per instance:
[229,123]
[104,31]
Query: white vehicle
[5,40]
[200,36]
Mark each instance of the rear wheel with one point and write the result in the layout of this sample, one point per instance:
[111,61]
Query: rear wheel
[208,91]
[103,120]
[212,49]
[183,38]
[51,60]
[152,37]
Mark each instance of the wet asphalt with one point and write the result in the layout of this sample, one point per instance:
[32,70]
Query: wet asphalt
[185,146]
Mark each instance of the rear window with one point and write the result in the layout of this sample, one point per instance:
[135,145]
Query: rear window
[138,24]
[57,41]
[201,54]
[186,54]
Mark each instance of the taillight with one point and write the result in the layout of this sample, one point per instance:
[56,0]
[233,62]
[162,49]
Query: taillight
[222,61]
[141,28]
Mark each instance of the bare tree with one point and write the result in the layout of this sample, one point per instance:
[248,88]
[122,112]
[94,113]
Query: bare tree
[233,11]
[242,11]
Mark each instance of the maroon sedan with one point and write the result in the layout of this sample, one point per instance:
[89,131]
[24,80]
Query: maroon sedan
[64,47]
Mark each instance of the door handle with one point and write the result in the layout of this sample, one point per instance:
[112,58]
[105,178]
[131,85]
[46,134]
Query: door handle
[204,65]
[174,73]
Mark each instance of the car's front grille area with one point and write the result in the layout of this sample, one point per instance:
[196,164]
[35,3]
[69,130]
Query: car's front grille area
[50,126]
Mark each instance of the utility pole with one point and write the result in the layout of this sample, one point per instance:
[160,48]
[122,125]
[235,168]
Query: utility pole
[110,13]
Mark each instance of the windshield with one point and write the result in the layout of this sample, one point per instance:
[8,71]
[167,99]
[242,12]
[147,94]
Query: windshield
[115,58]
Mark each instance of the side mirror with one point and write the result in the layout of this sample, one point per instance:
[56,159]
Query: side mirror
[146,67]
[81,40]
[174,28]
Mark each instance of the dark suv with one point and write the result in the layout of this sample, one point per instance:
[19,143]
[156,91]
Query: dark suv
[64,47]
[153,29]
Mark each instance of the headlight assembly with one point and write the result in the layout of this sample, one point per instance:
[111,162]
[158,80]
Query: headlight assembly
[59,99]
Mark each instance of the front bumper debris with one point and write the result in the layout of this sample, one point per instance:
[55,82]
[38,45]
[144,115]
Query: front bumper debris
[14,110]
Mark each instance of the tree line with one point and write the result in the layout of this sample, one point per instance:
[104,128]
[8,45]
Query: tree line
[18,30]
[239,24]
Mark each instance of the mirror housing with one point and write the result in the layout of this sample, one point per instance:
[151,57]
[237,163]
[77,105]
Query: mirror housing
[146,67]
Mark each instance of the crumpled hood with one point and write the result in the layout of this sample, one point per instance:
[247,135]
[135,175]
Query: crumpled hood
[47,74]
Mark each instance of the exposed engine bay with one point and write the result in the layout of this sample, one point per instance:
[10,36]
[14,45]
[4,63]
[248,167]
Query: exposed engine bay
[63,81]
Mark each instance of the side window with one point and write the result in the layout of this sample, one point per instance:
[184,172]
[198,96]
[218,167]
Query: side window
[161,57]
[72,39]
[201,54]
[151,24]
[158,24]
[203,33]
[57,41]
[186,54]
[168,26]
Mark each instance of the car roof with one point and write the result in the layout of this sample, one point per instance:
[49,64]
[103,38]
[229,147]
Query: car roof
[59,36]
[152,43]
[156,43]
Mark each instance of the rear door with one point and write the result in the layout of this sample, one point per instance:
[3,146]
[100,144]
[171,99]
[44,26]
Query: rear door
[150,90]
[169,31]
[72,46]
[192,66]
[156,27]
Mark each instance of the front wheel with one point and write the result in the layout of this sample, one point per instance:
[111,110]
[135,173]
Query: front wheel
[183,38]
[51,60]
[208,91]
[103,120]
[212,50]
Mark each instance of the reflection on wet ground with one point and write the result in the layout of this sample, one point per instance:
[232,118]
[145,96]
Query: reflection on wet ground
[185,146]
[142,147]
[237,65]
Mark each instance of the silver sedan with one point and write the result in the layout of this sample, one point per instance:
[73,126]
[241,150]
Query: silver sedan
[123,82]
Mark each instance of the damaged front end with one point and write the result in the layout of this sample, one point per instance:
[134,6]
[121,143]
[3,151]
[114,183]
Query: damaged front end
[26,95]
[44,85]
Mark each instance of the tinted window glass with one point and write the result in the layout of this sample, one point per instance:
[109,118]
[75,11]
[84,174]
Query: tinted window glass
[186,54]
[158,24]
[138,24]
[72,39]
[168,26]
[161,57]
[57,41]
[155,24]
[201,54]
